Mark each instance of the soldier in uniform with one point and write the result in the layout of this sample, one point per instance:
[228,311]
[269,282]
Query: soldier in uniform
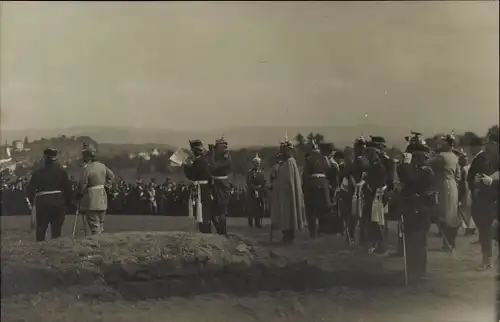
[198,170]
[483,181]
[49,191]
[447,176]
[316,188]
[417,200]
[256,193]
[374,191]
[91,192]
[350,192]
[405,170]
[220,163]
[287,205]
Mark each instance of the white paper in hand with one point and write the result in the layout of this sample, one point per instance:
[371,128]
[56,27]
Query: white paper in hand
[178,158]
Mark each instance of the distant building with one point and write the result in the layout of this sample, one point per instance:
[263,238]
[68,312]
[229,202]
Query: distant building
[155,152]
[18,145]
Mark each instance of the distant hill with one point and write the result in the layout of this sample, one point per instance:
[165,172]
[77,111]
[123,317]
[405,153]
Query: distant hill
[114,148]
[237,137]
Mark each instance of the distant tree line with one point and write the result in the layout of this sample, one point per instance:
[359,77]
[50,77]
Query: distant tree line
[70,152]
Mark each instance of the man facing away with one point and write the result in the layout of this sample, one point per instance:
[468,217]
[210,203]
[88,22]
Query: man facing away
[49,191]
[91,192]
[316,188]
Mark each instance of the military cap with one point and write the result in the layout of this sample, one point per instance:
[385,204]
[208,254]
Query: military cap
[449,138]
[417,147]
[89,150]
[376,142]
[195,143]
[50,154]
[339,155]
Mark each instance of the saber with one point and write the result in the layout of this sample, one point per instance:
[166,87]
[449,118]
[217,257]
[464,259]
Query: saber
[446,241]
[77,214]
[404,250]
[33,214]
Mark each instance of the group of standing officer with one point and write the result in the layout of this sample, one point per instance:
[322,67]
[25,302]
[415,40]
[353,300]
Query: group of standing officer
[430,193]
[210,190]
[50,193]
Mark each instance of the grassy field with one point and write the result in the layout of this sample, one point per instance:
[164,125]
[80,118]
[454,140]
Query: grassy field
[333,283]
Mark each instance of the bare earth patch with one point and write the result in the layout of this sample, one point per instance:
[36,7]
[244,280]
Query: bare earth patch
[169,275]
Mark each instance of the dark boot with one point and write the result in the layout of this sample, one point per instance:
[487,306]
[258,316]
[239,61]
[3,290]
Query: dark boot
[258,222]
[287,237]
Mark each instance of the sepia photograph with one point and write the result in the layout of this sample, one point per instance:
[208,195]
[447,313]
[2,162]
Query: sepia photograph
[250,161]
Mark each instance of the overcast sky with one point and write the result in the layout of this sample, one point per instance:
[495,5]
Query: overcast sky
[217,65]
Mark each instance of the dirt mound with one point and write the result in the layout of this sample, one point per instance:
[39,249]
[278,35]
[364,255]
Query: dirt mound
[175,260]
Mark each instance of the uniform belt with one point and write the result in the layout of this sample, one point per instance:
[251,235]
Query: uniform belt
[42,193]
[317,175]
[101,186]
[221,178]
[201,182]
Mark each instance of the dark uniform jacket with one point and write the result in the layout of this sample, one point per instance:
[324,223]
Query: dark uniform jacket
[418,199]
[354,172]
[376,177]
[200,170]
[482,196]
[342,172]
[256,181]
[256,189]
[405,171]
[220,166]
[390,169]
[317,188]
[52,177]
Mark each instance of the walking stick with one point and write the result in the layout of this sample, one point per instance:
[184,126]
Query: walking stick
[77,214]
[446,240]
[404,251]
